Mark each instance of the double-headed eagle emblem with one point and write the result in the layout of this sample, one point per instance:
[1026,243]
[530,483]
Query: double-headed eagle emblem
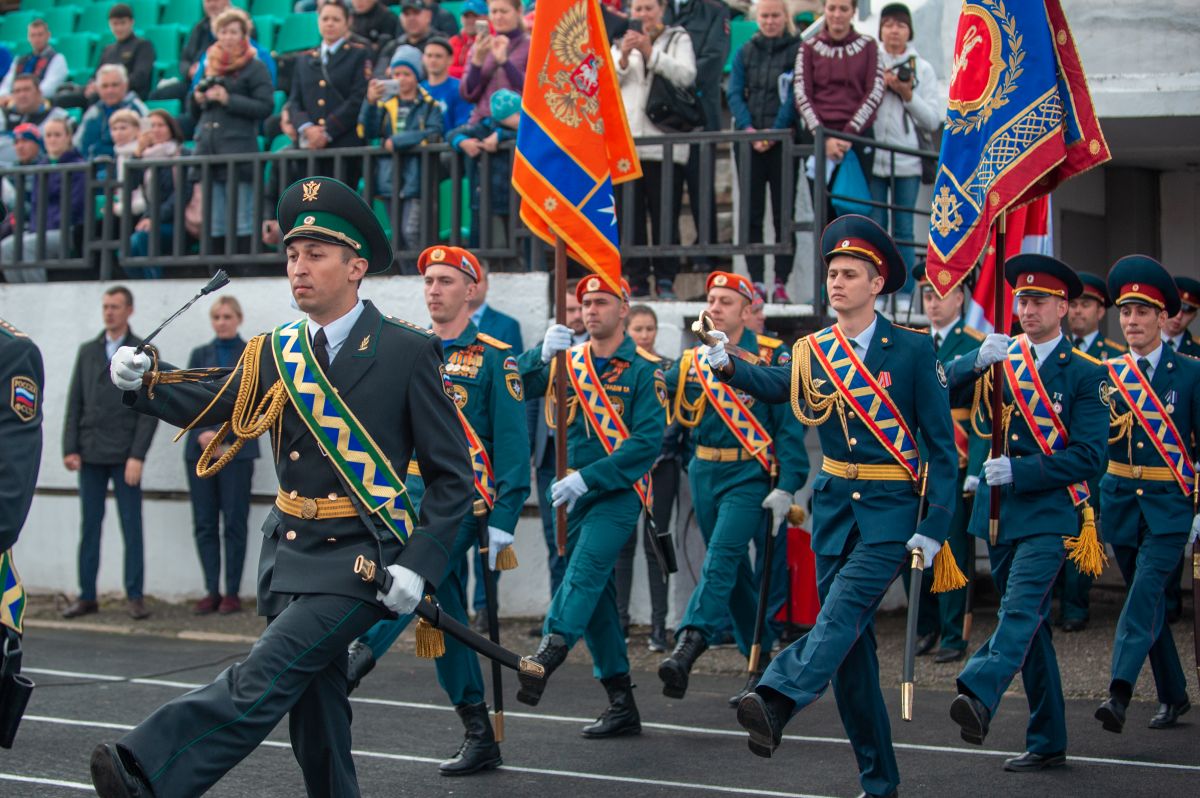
[571,94]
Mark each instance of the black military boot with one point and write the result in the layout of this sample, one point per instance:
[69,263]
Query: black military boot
[360,661]
[764,660]
[674,669]
[550,654]
[621,717]
[479,750]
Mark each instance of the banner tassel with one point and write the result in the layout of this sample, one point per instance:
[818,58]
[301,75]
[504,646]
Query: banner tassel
[431,644]
[1086,550]
[947,576]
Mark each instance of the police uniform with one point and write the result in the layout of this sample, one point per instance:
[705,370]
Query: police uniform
[730,474]
[21,381]
[865,503]
[1148,495]
[487,388]
[329,92]
[1038,509]
[584,606]
[377,398]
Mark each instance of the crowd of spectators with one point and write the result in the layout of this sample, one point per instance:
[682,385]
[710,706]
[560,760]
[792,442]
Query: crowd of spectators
[402,78]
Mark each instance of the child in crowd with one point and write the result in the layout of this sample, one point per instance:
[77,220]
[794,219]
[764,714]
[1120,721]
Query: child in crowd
[487,135]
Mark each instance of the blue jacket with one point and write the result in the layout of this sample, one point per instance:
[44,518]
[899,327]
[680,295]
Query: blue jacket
[884,512]
[1037,501]
[423,125]
[207,356]
[1123,502]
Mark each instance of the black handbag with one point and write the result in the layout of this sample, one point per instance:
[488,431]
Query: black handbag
[673,108]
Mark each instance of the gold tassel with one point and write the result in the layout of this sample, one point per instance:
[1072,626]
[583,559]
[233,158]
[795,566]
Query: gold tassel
[1086,550]
[506,560]
[430,642]
[947,576]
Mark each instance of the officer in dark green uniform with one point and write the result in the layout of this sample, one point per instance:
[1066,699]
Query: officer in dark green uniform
[1149,493]
[1055,440]
[870,387]
[617,404]
[349,395]
[487,389]
[749,462]
[21,380]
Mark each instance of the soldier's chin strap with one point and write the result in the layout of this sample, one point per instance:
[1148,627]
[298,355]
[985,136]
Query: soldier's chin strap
[15,689]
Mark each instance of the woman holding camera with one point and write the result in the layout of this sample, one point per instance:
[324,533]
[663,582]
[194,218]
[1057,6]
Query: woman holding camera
[910,105]
[498,57]
[229,103]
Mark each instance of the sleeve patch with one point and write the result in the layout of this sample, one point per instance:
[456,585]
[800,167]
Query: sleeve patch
[784,358]
[510,363]
[941,375]
[512,381]
[24,398]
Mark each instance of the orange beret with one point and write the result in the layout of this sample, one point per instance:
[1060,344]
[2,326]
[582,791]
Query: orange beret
[454,257]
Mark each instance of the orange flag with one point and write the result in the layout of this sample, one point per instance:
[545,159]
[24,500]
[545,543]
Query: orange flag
[573,142]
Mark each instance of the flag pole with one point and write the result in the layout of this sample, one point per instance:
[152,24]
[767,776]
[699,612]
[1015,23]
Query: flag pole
[560,390]
[997,375]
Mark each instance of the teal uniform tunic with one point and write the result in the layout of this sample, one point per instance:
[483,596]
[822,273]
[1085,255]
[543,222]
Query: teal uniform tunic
[728,496]
[487,388]
[1036,512]
[1187,346]
[860,528]
[585,604]
[1147,522]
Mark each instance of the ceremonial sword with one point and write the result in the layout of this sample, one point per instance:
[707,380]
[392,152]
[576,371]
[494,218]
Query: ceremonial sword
[908,675]
[488,576]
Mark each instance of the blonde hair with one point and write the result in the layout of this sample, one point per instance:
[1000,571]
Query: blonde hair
[789,20]
[126,115]
[231,301]
[231,15]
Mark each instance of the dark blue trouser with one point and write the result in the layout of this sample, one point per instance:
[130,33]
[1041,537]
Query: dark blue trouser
[225,495]
[93,488]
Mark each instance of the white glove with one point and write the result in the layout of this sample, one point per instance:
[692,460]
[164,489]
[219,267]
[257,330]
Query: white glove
[127,367]
[778,502]
[716,355]
[498,541]
[970,484]
[408,588]
[993,350]
[998,470]
[568,490]
[928,546]
[1195,530]
[558,339]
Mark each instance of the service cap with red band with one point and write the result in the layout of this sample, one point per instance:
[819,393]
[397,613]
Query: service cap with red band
[731,282]
[1094,288]
[1041,275]
[1141,280]
[859,237]
[454,257]
[591,284]
[1189,292]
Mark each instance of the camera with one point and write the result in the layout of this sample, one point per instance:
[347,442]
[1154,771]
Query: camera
[207,83]
[904,73]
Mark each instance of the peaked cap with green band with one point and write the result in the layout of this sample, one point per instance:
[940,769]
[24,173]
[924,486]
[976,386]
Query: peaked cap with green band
[328,210]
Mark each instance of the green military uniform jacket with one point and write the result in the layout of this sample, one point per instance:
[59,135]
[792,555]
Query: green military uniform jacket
[21,380]
[1103,348]
[961,339]
[1188,345]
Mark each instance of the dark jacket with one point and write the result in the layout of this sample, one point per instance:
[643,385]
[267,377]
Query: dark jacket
[22,378]
[500,163]
[137,56]
[197,44]
[378,26]
[54,190]
[707,23]
[209,356]
[331,95]
[233,127]
[754,81]
[99,428]
[423,125]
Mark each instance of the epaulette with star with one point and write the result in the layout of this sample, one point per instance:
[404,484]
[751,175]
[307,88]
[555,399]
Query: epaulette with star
[766,340]
[496,342]
[971,331]
[408,325]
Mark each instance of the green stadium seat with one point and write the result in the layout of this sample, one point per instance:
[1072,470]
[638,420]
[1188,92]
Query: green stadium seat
[39,6]
[740,32]
[265,30]
[79,49]
[146,13]
[455,7]
[167,41]
[61,19]
[298,32]
[282,9]
[93,18]
[75,114]
[445,206]
[184,13]
[13,26]
[172,107]
[381,213]
[281,98]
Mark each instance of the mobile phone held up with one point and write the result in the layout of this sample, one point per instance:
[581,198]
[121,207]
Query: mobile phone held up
[481,27]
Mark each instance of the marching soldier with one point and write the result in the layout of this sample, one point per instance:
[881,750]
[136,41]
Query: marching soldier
[617,404]
[749,462]
[1148,496]
[21,379]
[952,338]
[487,389]
[870,387]
[349,395]
[1054,435]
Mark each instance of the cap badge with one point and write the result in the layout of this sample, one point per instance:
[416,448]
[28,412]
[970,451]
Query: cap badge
[438,254]
[1029,278]
[310,220]
[311,189]
[720,279]
[1136,287]
[593,284]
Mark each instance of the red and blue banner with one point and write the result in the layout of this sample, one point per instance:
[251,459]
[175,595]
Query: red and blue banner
[1020,121]
[573,141]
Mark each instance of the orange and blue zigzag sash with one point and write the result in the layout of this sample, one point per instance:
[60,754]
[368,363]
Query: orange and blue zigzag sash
[481,464]
[1030,395]
[1136,391]
[737,417]
[868,398]
[601,415]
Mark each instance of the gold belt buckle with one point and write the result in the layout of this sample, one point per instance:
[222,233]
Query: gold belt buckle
[308,509]
[1137,472]
[851,470]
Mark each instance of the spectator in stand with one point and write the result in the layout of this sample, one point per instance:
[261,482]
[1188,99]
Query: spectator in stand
[47,66]
[462,41]
[755,102]
[838,83]
[26,106]
[125,126]
[27,141]
[200,39]
[443,21]
[130,51]
[416,23]
[94,139]
[487,135]
[162,140]
[229,104]
[656,51]
[57,141]
[405,121]
[441,87]
[497,59]
[227,494]
[908,106]
[374,22]
[26,149]
[106,442]
[328,89]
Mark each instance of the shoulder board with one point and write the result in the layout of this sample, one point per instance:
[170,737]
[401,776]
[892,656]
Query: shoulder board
[1086,356]
[9,331]
[971,331]
[917,330]
[496,342]
[766,340]
[408,325]
[653,358]
[1114,345]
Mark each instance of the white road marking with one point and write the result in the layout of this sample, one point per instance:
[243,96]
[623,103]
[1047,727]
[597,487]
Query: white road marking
[72,785]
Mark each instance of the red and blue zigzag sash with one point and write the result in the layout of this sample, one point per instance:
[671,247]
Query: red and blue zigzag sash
[1136,391]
